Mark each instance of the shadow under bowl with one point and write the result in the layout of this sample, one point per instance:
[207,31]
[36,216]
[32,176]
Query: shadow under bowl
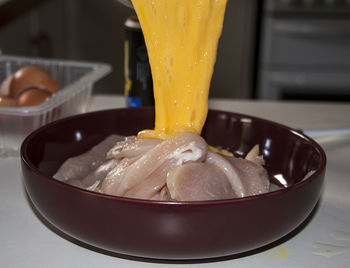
[174,230]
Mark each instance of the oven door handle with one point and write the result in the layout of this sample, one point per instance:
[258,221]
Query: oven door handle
[309,81]
[303,29]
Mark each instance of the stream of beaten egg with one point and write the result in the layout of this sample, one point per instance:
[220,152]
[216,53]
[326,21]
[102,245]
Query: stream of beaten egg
[181,39]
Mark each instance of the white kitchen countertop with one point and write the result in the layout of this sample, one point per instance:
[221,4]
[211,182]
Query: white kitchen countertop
[301,115]
[324,241]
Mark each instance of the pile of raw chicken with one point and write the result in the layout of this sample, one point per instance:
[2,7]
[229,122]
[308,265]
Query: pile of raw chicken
[181,168]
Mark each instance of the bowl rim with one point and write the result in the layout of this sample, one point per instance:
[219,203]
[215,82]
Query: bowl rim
[323,161]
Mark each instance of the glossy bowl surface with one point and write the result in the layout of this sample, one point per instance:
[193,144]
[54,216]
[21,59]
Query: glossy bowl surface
[174,230]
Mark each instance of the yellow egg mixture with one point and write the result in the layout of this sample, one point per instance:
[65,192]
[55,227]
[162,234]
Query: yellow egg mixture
[181,38]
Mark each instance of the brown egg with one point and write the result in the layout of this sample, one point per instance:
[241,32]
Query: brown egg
[31,76]
[32,96]
[6,101]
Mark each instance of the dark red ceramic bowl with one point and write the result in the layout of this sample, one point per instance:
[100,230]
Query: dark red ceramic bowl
[173,230]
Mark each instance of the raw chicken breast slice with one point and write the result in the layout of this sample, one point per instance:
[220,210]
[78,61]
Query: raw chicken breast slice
[197,182]
[254,176]
[162,195]
[152,185]
[94,178]
[100,172]
[253,155]
[183,148]
[231,173]
[131,147]
[80,166]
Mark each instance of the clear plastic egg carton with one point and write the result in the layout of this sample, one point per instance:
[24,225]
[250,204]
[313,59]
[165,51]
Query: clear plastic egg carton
[75,80]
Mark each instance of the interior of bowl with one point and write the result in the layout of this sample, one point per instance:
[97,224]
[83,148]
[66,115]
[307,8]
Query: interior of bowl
[289,155]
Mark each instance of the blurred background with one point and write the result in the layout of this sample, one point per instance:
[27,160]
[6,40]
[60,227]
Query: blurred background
[271,49]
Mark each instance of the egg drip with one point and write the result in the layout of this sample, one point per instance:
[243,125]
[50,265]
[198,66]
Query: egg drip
[181,39]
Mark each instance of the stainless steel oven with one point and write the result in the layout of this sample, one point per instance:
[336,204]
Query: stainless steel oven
[304,50]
